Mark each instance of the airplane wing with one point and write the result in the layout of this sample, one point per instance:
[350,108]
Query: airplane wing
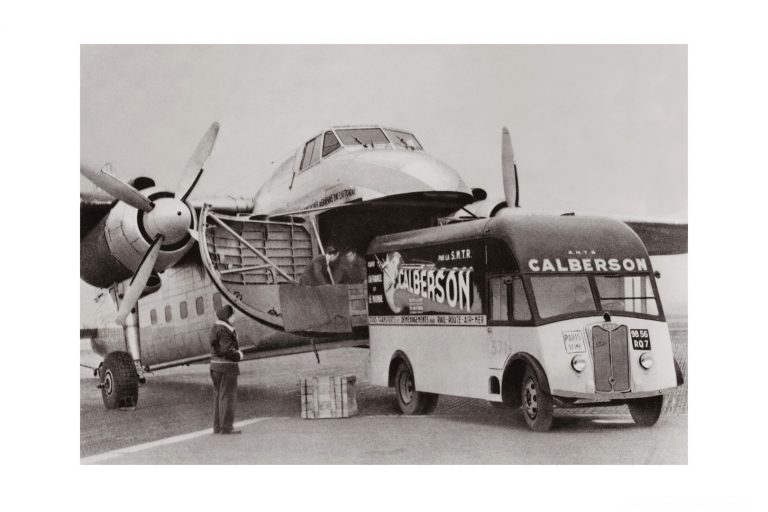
[661,238]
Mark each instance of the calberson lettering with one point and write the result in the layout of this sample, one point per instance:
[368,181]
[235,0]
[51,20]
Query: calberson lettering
[588,265]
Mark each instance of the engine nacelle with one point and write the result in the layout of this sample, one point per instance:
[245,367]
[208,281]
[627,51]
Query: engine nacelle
[114,248]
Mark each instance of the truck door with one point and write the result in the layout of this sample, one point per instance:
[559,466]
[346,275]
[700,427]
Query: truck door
[498,319]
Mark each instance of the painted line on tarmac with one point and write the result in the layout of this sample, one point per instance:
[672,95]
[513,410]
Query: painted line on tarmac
[161,442]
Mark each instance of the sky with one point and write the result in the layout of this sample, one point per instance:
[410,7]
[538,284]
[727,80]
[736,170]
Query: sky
[596,129]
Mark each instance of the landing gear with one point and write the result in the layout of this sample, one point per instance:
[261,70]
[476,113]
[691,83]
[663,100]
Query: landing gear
[646,411]
[409,400]
[119,381]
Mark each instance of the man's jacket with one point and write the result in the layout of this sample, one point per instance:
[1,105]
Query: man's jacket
[224,348]
[316,273]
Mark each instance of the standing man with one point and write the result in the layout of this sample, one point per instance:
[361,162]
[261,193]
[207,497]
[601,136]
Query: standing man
[318,272]
[351,269]
[225,353]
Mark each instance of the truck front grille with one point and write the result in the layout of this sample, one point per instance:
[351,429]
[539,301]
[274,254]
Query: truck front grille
[610,352]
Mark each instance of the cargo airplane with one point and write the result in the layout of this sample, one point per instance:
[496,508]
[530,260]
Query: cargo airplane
[169,262]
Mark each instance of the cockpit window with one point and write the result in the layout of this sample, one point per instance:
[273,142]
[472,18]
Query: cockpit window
[330,143]
[311,153]
[403,139]
[366,137]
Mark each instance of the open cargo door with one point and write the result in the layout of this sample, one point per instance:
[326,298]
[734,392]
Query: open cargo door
[256,264]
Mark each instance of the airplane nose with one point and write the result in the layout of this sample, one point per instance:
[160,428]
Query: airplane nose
[406,171]
[435,174]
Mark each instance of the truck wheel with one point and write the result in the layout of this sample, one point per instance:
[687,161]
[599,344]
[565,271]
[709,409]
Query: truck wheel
[409,400]
[119,381]
[537,403]
[646,411]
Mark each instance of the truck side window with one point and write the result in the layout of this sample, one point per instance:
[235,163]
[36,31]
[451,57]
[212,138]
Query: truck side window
[183,309]
[216,301]
[499,300]
[199,306]
[168,316]
[153,317]
[520,309]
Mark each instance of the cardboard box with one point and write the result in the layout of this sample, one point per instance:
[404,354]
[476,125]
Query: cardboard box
[328,397]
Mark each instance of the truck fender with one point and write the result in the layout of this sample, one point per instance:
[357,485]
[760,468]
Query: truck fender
[398,356]
[513,376]
[678,373]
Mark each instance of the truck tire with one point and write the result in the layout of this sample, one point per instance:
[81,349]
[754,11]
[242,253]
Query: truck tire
[646,411]
[537,405]
[119,381]
[410,401]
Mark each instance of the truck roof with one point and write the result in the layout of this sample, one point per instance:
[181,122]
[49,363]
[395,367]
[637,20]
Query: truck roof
[530,236]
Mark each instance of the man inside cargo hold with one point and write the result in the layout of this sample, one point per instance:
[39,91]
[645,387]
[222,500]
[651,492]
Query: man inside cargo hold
[318,272]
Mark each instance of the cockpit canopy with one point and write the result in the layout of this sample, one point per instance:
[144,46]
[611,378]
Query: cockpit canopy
[348,136]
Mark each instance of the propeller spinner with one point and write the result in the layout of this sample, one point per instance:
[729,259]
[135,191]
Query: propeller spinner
[165,220]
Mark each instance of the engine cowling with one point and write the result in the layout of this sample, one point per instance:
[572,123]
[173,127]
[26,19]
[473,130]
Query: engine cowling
[112,250]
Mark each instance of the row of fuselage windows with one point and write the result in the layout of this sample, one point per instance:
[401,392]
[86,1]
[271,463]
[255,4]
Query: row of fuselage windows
[183,309]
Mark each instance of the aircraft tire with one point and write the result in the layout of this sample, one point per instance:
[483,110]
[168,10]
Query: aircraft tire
[537,404]
[119,381]
[410,401]
[646,411]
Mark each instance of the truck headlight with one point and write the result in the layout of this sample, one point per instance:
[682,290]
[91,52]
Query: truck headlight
[578,363]
[646,360]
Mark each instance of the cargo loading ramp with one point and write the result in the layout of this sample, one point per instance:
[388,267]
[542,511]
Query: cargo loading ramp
[256,264]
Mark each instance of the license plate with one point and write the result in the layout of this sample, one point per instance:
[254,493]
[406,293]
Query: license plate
[641,339]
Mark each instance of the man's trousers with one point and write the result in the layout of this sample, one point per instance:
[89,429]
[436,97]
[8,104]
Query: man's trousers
[224,400]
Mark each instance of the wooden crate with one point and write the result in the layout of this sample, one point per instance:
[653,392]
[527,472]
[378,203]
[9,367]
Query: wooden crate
[328,397]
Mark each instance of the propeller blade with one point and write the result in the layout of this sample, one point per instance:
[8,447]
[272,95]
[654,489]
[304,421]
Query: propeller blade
[117,188]
[139,280]
[194,168]
[509,170]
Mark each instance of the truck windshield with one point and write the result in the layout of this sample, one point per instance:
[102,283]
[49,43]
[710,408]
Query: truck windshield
[560,295]
[633,294]
[567,294]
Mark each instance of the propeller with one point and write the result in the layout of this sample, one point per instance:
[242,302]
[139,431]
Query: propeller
[194,167]
[105,180]
[166,220]
[509,170]
[139,280]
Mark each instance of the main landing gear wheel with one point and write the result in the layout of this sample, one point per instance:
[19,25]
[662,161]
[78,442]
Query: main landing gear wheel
[409,400]
[537,404]
[646,411]
[119,381]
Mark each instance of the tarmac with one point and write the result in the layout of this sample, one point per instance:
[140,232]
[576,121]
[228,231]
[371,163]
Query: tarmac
[171,424]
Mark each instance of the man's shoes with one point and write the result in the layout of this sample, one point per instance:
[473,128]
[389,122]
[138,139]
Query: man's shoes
[233,431]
